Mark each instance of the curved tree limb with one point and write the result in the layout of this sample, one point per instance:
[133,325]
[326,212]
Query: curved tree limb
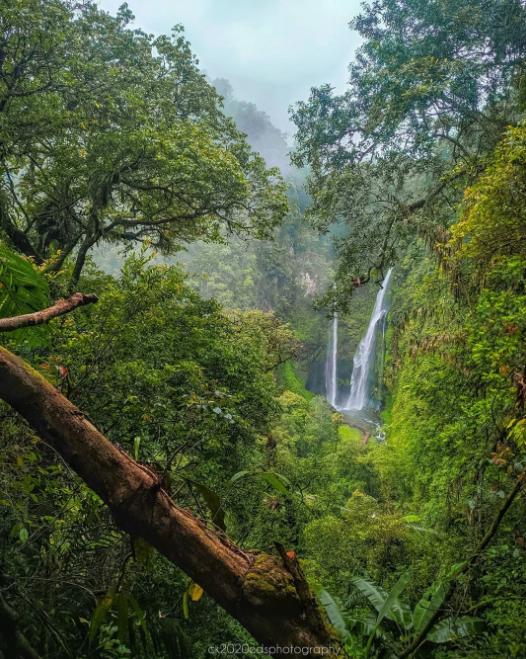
[60,308]
[258,589]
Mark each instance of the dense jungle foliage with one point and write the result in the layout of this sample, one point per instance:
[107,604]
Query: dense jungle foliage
[218,264]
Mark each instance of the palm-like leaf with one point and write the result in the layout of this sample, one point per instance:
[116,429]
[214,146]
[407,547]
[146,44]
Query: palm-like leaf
[392,608]
[333,613]
[450,629]
[396,610]
[374,594]
[22,288]
[427,606]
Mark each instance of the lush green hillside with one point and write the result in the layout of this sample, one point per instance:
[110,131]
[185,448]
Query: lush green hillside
[173,482]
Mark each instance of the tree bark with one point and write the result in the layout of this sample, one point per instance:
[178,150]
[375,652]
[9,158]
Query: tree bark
[258,589]
[60,308]
[81,260]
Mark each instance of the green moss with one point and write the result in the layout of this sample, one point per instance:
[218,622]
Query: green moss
[267,582]
[290,380]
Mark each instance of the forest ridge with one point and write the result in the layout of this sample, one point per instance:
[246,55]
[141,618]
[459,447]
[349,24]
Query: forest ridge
[174,482]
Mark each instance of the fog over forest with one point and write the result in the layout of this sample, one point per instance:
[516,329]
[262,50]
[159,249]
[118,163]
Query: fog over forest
[271,51]
[263,321]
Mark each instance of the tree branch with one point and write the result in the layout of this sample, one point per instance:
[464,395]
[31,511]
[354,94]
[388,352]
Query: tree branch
[256,588]
[488,537]
[60,308]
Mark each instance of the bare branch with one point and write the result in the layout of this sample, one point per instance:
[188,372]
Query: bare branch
[60,308]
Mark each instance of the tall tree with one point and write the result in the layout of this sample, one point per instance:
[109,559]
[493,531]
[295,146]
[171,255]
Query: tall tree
[431,90]
[110,134]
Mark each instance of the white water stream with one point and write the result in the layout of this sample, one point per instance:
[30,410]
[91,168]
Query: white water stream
[331,363]
[364,356]
[363,361]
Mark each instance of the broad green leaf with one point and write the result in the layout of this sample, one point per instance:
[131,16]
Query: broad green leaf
[333,613]
[450,629]
[392,608]
[433,598]
[277,481]
[374,594]
[364,626]
[430,602]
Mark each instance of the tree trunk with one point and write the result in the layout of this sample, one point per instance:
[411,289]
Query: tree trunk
[80,260]
[271,600]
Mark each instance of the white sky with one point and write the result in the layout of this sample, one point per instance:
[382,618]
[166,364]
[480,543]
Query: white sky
[271,51]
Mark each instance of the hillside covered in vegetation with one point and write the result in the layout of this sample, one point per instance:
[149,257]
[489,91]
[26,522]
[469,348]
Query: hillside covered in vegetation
[180,287]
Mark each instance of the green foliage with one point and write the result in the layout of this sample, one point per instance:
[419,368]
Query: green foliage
[292,382]
[190,389]
[493,221]
[112,136]
[123,139]
[391,608]
[455,424]
[431,90]
[23,290]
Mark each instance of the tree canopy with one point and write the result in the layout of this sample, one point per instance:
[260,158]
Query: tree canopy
[111,134]
[430,93]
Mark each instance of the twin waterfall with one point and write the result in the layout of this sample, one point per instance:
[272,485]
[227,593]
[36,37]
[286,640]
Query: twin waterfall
[331,364]
[363,362]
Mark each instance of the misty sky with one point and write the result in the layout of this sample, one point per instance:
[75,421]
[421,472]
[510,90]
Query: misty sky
[272,51]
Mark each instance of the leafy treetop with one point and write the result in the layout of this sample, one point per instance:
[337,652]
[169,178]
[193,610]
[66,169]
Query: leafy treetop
[110,134]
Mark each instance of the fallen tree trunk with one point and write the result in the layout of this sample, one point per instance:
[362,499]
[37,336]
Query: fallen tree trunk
[269,599]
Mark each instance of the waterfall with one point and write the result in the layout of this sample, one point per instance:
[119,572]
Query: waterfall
[331,386]
[365,354]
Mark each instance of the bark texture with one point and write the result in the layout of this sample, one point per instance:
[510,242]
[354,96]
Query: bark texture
[265,593]
[60,308]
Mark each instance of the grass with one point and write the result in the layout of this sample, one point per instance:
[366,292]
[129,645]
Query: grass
[348,432]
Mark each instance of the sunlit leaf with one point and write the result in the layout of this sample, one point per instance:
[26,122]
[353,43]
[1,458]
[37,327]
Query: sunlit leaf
[195,591]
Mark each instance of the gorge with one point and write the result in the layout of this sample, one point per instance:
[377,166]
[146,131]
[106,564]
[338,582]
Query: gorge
[359,397]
